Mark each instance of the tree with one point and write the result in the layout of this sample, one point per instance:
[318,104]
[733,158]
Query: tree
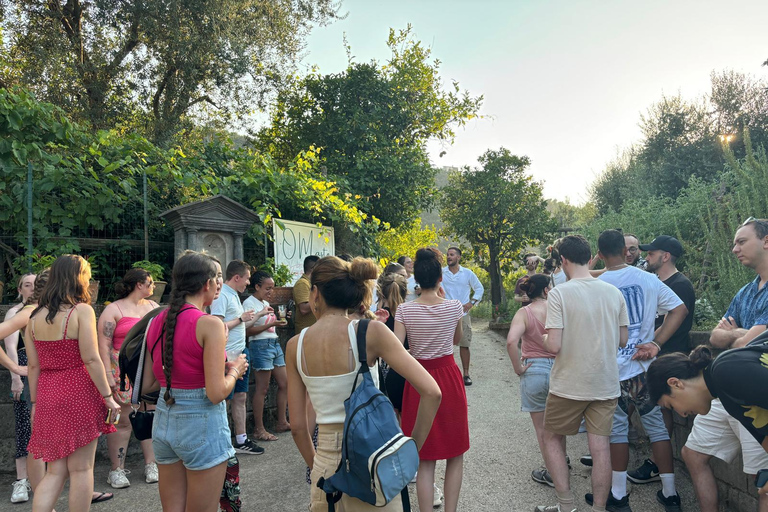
[404,241]
[154,63]
[497,206]
[371,123]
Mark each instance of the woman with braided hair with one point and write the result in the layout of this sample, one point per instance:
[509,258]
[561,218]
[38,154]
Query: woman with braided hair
[190,434]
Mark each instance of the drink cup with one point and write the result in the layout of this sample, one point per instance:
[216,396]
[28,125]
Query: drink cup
[232,355]
[281,311]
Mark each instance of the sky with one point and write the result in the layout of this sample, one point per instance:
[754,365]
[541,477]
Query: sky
[564,82]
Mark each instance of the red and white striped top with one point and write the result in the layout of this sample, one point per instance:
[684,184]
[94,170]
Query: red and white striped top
[430,327]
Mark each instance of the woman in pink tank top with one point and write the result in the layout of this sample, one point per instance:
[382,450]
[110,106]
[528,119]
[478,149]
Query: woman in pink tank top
[533,368]
[115,321]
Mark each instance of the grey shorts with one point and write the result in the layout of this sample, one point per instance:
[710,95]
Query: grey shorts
[466,331]
[635,392]
[534,384]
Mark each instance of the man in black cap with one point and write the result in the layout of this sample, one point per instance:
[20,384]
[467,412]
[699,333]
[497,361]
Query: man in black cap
[662,255]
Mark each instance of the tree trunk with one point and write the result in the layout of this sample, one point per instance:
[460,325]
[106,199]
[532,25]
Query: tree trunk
[494,270]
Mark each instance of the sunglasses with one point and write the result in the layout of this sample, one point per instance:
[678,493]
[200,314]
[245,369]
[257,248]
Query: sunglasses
[750,220]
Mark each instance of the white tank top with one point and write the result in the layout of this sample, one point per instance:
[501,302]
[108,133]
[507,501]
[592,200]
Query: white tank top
[328,393]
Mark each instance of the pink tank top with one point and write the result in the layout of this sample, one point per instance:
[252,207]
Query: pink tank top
[121,330]
[187,371]
[533,338]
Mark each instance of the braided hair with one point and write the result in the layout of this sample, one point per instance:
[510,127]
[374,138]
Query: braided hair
[190,274]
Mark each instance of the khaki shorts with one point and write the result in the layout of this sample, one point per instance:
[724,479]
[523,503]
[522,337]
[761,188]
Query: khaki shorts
[563,415]
[466,331]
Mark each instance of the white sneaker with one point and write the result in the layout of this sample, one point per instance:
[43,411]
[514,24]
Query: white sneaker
[150,473]
[438,499]
[21,490]
[117,478]
[413,480]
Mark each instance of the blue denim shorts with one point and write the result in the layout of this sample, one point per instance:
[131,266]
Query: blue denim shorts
[193,430]
[266,354]
[634,391]
[241,385]
[534,384]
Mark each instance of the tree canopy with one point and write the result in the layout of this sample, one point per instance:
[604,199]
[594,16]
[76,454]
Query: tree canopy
[497,207]
[371,124]
[154,65]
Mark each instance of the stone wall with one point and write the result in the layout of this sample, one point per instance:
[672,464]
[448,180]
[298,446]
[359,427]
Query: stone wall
[736,490]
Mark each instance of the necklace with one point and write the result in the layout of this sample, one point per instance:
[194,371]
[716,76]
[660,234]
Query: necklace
[614,267]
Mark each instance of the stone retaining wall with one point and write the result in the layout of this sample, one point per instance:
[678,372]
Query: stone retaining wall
[736,490]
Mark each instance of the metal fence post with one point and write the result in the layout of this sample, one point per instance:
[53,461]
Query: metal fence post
[29,217]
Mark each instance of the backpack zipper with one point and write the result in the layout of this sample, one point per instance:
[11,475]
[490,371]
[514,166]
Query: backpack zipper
[349,423]
[378,455]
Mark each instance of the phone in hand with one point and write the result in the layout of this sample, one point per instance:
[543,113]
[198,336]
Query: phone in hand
[761,478]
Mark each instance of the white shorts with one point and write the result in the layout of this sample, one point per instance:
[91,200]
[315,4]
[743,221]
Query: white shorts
[721,435]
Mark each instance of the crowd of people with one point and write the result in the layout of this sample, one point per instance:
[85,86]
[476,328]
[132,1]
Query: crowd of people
[600,345]
[592,347]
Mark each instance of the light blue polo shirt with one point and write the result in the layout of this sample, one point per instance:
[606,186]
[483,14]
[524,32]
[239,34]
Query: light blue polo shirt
[229,306]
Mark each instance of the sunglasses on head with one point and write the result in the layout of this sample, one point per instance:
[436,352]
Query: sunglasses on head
[750,220]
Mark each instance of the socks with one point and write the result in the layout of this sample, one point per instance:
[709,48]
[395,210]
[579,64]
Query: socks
[240,438]
[565,500]
[668,484]
[619,485]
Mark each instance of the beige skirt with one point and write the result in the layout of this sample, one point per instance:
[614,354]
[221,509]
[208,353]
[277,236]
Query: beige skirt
[326,461]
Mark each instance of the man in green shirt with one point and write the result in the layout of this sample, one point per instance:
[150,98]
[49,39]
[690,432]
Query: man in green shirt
[304,316]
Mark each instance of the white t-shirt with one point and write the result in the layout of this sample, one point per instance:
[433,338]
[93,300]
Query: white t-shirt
[646,295]
[411,294]
[559,278]
[590,314]
[257,305]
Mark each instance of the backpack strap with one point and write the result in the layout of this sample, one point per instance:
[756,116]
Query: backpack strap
[362,329]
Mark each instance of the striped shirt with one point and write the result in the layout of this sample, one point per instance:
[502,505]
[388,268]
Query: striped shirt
[430,327]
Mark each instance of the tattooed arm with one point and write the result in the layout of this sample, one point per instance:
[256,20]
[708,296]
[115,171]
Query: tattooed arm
[106,330]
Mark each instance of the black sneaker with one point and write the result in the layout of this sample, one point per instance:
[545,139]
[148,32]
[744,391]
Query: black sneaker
[248,447]
[645,474]
[586,460]
[542,476]
[613,504]
[671,504]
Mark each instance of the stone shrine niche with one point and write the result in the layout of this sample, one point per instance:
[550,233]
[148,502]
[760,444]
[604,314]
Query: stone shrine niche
[216,225]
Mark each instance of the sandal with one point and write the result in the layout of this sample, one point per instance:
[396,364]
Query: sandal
[99,497]
[283,428]
[467,380]
[264,436]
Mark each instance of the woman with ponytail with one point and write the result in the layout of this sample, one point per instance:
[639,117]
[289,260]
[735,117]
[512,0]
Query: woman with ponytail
[323,362]
[132,303]
[536,362]
[738,378]
[190,433]
[433,327]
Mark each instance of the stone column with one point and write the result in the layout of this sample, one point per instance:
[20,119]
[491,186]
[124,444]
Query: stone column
[179,243]
[192,239]
[238,248]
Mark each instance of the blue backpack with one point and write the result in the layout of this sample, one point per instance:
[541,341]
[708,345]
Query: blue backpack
[377,459]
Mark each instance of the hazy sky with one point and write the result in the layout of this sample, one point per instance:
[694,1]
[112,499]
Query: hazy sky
[564,81]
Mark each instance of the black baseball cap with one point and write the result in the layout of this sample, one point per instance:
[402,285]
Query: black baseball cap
[666,243]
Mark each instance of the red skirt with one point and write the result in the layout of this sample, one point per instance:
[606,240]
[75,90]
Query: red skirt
[449,436]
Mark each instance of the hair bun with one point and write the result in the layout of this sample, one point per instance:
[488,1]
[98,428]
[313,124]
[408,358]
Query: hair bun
[363,269]
[700,357]
[526,285]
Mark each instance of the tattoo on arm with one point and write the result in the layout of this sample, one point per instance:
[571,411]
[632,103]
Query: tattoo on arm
[109,330]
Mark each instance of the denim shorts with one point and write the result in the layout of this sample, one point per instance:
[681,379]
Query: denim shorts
[534,384]
[193,430]
[266,354]
[241,385]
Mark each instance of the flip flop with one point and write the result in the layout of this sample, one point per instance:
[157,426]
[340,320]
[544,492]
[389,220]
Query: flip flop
[102,496]
[265,436]
[467,380]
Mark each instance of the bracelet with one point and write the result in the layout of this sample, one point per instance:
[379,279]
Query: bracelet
[238,371]
[107,396]
[241,319]
[236,377]
[657,345]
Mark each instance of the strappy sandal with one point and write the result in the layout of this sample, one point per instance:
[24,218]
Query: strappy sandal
[264,436]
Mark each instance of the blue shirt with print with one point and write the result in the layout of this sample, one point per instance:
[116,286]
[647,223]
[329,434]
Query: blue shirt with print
[750,306]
